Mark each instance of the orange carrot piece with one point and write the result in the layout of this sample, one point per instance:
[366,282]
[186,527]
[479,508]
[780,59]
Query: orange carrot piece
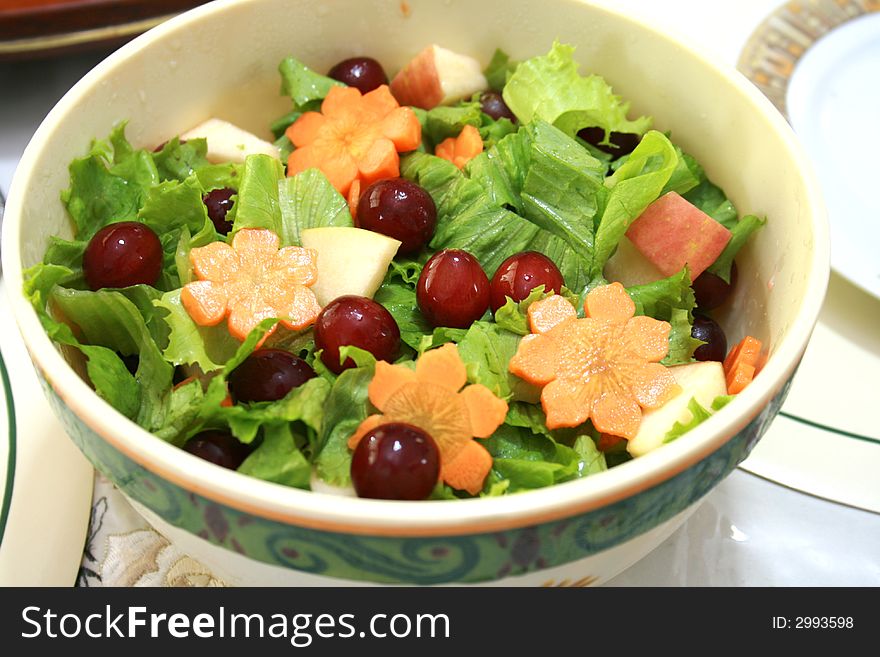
[339,166]
[305,129]
[609,302]
[487,412]
[468,470]
[354,138]
[603,367]
[442,367]
[446,149]
[380,161]
[402,127]
[429,398]
[259,282]
[388,380]
[548,313]
[747,350]
[469,144]
[462,149]
[739,377]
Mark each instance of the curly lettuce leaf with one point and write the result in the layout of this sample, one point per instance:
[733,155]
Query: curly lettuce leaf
[278,459]
[486,350]
[550,88]
[257,205]
[108,185]
[208,347]
[178,161]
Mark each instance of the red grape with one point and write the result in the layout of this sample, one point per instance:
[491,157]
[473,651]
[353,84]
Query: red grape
[492,103]
[218,202]
[122,254]
[363,73]
[711,291]
[358,322]
[268,375]
[520,274]
[453,289]
[399,209]
[219,447]
[395,461]
[707,329]
[622,143]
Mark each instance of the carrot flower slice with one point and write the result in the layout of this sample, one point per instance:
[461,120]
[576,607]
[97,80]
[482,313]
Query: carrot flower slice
[433,399]
[355,139]
[604,367]
[252,280]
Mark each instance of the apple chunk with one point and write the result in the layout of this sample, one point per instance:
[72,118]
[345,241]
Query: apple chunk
[673,232]
[350,260]
[629,267]
[701,381]
[437,76]
[229,143]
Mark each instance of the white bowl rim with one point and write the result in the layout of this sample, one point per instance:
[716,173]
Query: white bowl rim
[435,518]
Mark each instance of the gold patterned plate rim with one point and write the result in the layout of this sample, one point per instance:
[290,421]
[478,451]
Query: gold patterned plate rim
[781,40]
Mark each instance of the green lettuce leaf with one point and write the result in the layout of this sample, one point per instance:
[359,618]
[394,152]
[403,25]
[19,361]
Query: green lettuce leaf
[308,200]
[740,233]
[499,70]
[486,350]
[346,407]
[278,459]
[397,294]
[108,185]
[670,300]
[257,205]
[209,347]
[108,318]
[709,197]
[216,176]
[178,161]
[551,89]
[698,416]
[305,87]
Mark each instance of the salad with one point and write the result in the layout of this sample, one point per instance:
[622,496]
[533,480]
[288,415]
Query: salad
[462,282]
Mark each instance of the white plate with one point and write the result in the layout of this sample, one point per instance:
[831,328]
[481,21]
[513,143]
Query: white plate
[833,103]
[819,63]
[45,482]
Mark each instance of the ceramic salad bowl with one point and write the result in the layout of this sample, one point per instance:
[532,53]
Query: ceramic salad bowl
[220,60]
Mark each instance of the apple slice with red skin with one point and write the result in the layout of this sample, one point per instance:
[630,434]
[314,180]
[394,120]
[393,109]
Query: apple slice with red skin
[437,76]
[673,232]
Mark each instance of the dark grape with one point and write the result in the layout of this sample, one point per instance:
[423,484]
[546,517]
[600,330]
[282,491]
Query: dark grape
[268,375]
[711,291]
[400,209]
[520,274]
[707,329]
[492,103]
[453,289]
[358,322]
[219,447]
[218,202]
[395,461]
[363,73]
[122,254]
[622,143]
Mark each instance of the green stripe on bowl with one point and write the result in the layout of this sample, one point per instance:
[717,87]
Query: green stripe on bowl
[10,458]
